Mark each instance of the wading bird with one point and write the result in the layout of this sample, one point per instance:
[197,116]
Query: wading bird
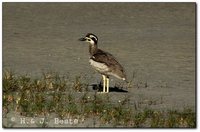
[103,62]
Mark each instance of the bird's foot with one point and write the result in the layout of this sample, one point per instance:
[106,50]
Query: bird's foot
[102,92]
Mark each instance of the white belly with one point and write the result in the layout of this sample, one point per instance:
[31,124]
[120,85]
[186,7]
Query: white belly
[100,67]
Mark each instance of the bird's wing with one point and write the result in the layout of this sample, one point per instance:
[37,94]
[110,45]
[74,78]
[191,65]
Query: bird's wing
[108,59]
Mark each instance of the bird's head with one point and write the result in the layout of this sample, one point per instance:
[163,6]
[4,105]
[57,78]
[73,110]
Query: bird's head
[90,38]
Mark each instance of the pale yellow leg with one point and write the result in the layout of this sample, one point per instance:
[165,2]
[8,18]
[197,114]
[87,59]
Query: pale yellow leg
[107,83]
[104,83]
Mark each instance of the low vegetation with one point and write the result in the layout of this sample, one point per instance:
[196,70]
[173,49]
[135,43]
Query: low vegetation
[64,96]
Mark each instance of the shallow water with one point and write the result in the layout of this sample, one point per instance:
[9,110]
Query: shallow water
[156,41]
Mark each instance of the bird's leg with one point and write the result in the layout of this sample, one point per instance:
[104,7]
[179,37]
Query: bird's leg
[107,84]
[104,83]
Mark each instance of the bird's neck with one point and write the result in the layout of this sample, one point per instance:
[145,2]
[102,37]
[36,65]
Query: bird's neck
[93,49]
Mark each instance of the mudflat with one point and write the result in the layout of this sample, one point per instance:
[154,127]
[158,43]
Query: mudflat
[155,42]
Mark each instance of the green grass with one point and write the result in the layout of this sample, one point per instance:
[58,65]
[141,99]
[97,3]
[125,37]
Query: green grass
[60,95]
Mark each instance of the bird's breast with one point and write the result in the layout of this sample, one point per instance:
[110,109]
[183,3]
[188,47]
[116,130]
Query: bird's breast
[101,67]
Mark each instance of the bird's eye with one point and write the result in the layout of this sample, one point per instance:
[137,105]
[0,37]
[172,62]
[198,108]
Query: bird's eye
[88,39]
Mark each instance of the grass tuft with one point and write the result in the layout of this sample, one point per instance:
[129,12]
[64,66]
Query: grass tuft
[66,97]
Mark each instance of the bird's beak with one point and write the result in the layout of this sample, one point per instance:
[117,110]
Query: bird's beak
[82,39]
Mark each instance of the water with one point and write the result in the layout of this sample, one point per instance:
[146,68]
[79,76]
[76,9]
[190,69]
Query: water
[156,41]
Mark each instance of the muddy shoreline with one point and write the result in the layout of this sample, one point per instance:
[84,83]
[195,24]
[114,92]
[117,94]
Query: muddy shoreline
[153,41]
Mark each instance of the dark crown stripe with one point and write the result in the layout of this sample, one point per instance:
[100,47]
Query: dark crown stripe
[90,35]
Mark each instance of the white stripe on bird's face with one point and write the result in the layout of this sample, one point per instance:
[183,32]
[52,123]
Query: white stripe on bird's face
[89,40]
[92,36]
